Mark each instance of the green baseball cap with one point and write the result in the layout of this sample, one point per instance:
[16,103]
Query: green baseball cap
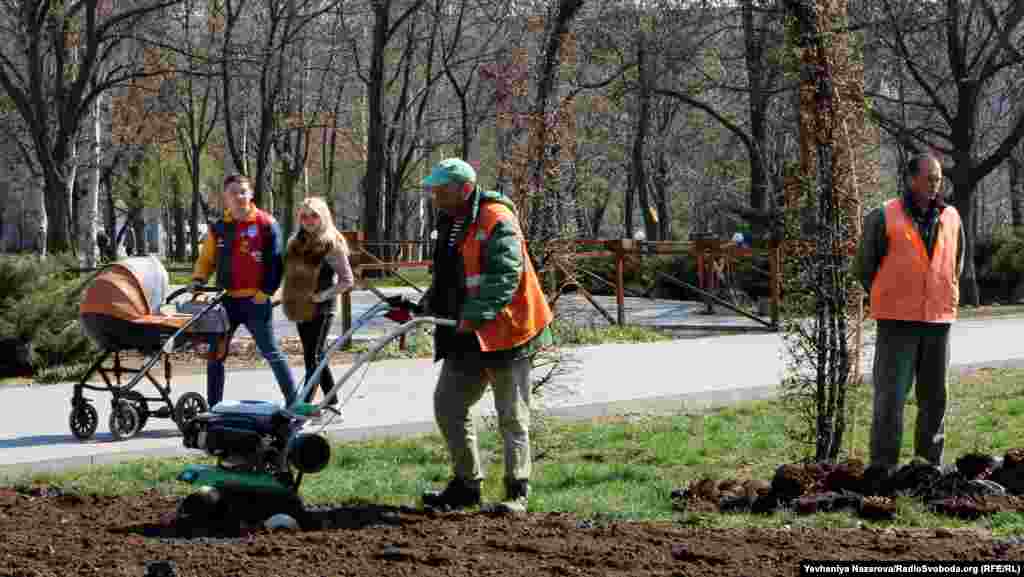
[450,170]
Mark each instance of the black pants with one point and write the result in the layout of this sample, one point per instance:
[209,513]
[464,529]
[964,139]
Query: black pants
[313,335]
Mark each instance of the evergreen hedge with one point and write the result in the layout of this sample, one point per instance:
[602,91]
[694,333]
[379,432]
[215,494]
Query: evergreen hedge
[39,315]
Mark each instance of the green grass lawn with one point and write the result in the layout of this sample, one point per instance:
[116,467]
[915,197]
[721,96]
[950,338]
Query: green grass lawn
[625,467]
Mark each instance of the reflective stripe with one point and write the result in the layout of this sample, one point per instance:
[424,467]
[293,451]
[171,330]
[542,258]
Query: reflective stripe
[473,281]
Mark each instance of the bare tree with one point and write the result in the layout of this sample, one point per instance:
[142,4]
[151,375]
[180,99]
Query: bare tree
[197,101]
[750,80]
[1015,166]
[545,220]
[383,28]
[474,39]
[51,70]
[259,62]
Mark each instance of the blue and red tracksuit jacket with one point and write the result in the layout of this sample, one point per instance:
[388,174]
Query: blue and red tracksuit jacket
[247,255]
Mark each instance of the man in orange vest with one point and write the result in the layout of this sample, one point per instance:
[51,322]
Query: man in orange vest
[483,277]
[909,261]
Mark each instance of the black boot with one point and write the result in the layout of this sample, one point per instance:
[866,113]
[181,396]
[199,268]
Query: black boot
[459,494]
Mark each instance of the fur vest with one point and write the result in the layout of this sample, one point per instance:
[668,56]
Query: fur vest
[305,275]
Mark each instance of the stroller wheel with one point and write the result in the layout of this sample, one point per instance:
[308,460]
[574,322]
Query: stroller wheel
[138,400]
[188,406]
[124,420]
[83,420]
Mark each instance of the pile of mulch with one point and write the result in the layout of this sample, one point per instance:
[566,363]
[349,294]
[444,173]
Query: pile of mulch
[977,484]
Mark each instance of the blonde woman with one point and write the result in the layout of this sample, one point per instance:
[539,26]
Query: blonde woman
[316,271]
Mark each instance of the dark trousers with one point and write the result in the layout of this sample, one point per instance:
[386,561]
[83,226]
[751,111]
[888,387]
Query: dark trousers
[258,319]
[909,354]
[313,335]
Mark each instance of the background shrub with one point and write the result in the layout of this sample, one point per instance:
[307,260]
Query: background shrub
[39,314]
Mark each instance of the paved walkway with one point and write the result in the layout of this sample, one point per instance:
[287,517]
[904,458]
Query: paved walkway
[395,397]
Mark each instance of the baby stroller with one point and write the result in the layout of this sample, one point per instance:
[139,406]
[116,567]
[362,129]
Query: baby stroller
[120,311]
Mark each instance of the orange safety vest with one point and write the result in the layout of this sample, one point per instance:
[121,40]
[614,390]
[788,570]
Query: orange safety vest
[528,313]
[908,286]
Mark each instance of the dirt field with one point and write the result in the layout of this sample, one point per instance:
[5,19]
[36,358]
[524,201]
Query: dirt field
[46,534]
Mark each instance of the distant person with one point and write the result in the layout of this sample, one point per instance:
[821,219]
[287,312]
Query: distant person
[103,245]
[316,255]
[482,277]
[710,275]
[909,261]
[244,248]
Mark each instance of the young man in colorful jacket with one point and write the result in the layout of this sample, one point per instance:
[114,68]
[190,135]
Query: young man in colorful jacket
[483,277]
[244,248]
[909,261]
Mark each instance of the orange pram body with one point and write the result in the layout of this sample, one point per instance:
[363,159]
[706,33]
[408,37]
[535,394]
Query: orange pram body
[121,310]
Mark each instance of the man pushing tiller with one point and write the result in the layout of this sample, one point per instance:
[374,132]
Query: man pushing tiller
[483,278]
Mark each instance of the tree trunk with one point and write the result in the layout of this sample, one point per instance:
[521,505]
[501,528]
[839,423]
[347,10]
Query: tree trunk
[627,207]
[68,202]
[55,216]
[980,197]
[194,217]
[757,106]
[136,212]
[663,198]
[1015,166]
[289,180]
[373,182]
[963,200]
[88,225]
[543,221]
[639,171]
[165,216]
[111,249]
[328,162]
[139,231]
[179,218]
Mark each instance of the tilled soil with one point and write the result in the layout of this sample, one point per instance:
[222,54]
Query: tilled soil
[43,533]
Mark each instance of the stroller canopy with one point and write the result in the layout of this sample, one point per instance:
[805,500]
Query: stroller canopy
[128,289]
